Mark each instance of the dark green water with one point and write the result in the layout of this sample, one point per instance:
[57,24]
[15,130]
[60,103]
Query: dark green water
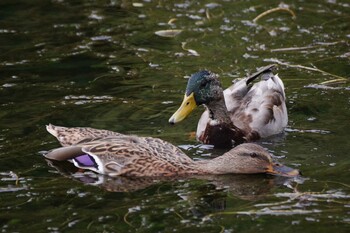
[99,64]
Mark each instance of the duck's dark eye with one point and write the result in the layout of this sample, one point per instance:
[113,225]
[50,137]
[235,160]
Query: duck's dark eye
[203,85]
[253,155]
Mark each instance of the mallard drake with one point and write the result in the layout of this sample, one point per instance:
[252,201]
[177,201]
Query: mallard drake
[242,113]
[123,155]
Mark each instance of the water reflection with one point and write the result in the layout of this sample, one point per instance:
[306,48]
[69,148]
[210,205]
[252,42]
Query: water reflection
[10,182]
[246,187]
[74,52]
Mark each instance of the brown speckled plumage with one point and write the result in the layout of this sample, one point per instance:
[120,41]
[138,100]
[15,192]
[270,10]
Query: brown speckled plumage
[122,155]
[70,136]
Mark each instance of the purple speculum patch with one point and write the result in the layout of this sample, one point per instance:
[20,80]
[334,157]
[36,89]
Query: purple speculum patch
[85,160]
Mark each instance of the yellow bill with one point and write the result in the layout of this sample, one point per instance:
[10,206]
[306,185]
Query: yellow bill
[187,106]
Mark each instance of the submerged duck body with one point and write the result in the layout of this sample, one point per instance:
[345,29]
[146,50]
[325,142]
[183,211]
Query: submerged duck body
[241,113]
[123,155]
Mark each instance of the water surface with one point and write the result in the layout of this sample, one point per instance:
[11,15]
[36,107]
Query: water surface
[100,64]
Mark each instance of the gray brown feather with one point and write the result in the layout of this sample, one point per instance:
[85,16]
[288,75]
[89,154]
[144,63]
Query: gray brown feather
[70,136]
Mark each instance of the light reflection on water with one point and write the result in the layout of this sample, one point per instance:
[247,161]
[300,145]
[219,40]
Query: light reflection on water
[101,65]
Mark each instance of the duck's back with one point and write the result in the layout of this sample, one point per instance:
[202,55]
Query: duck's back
[262,109]
[107,152]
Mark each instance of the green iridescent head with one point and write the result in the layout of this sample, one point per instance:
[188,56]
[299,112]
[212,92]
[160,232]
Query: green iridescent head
[202,88]
[205,87]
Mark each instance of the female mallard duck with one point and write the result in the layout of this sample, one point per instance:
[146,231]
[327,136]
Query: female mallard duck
[114,154]
[241,113]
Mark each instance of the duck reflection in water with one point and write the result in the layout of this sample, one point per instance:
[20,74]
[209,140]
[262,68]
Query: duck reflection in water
[247,187]
[204,194]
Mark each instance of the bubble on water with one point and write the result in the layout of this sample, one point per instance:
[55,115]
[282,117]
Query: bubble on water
[9,85]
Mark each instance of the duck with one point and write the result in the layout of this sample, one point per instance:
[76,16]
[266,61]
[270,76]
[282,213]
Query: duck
[114,155]
[244,112]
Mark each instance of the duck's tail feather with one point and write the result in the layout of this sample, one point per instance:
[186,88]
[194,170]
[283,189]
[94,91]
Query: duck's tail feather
[64,135]
[52,130]
[71,136]
[266,73]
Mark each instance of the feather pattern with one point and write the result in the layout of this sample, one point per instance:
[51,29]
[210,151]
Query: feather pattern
[70,136]
[124,155]
[255,111]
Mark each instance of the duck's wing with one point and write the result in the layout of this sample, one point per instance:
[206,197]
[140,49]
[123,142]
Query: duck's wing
[263,109]
[167,151]
[124,155]
[240,87]
[71,136]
